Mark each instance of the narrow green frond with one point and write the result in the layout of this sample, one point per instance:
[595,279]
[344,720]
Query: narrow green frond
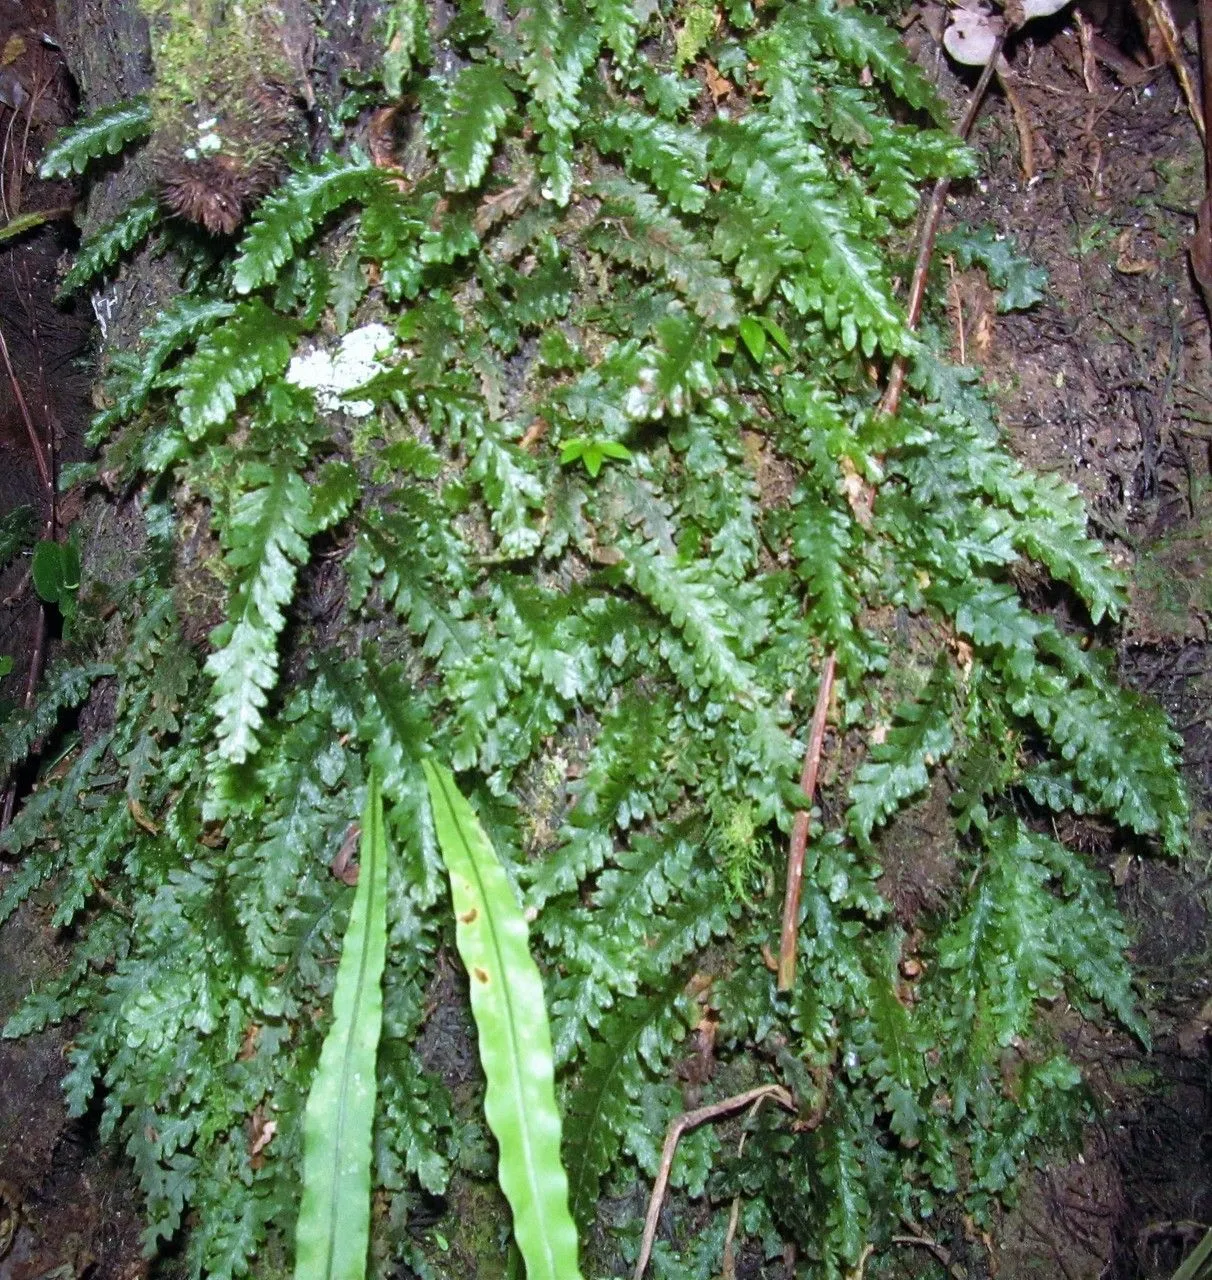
[514,1039]
[103,133]
[897,768]
[266,536]
[252,344]
[102,249]
[479,104]
[333,1232]
[293,214]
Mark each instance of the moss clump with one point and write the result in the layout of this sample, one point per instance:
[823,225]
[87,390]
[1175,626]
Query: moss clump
[225,102]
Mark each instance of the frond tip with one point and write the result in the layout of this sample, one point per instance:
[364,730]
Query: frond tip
[104,133]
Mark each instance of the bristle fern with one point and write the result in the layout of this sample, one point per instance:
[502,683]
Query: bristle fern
[549,444]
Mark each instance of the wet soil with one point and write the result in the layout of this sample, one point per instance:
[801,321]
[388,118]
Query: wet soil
[68,1208]
[1108,382]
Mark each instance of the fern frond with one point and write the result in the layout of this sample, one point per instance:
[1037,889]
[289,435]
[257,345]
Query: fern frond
[559,44]
[103,133]
[406,42]
[265,536]
[16,533]
[292,215]
[635,1041]
[1089,937]
[135,378]
[898,767]
[635,230]
[676,371]
[252,344]
[825,542]
[102,249]
[479,104]
[674,156]
[693,602]
[867,43]
[1000,952]
[838,275]
[64,686]
[621,25]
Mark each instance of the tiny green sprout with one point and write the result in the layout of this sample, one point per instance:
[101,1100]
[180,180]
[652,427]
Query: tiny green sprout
[56,573]
[754,338]
[592,452]
[754,332]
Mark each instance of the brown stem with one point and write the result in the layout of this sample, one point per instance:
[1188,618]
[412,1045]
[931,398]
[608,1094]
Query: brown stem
[799,831]
[35,443]
[891,400]
[691,1120]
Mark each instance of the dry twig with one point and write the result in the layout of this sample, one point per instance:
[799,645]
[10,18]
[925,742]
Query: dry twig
[891,400]
[799,831]
[692,1120]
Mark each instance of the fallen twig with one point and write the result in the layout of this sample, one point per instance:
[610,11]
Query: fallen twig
[799,831]
[1166,42]
[891,400]
[35,444]
[942,1254]
[692,1120]
[1201,244]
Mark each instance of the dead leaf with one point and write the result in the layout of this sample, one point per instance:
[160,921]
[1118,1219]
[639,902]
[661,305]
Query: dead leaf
[859,494]
[248,1046]
[717,85]
[262,1132]
[533,434]
[380,140]
[14,47]
[502,204]
[1125,263]
[343,866]
[139,813]
[963,656]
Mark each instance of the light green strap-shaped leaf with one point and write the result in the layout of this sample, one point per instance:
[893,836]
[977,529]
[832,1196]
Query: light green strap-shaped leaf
[515,1039]
[334,1219]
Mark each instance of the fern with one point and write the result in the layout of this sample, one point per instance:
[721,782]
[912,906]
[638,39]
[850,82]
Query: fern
[289,217]
[861,39]
[636,231]
[265,539]
[250,345]
[102,249]
[16,533]
[479,104]
[558,46]
[104,133]
[898,766]
[134,377]
[612,488]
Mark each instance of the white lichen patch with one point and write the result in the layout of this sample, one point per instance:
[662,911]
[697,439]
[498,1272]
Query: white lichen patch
[332,375]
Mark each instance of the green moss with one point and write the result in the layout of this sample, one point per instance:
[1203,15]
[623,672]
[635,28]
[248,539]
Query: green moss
[216,67]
